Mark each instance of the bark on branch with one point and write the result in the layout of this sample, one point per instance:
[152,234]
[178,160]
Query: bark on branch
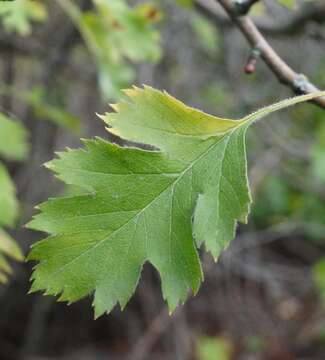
[284,73]
[295,22]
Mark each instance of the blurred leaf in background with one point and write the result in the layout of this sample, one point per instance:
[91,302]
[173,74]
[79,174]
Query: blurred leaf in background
[290,4]
[278,203]
[318,151]
[273,203]
[129,30]
[310,209]
[8,201]
[13,146]
[255,344]
[45,106]
[44,110]
[219,98]
[206,33]
[9,248]
[13,139]
[213,348]
[17,15]
[318,274]
[116,33]
[185,3]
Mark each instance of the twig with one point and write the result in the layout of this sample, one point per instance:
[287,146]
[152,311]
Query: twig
[295,22]
[144,345]
[243,6]
[284,73]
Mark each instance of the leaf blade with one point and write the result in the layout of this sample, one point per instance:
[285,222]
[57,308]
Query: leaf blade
[138,205]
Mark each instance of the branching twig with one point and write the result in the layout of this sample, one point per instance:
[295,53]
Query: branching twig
[284,73]
[158,326]
[243,6]
[294,23]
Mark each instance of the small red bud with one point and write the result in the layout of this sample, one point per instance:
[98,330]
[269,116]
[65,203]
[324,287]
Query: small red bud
[250,67]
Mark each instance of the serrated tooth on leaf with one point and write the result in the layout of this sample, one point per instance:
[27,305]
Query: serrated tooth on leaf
[101,116]
[115,107]
[59,153]
[171,311]
[33,289]
[62,298]
[48,165]
[104,117]
[136,88]
[148,87]
[113,131]
[131,92]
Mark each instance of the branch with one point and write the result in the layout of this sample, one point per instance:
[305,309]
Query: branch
[243,6]
[284,73]
[295,22]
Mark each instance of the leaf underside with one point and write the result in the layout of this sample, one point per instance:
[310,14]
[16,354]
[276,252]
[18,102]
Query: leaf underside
[156,206]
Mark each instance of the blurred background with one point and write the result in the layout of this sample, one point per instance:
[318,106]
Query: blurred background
[63,61]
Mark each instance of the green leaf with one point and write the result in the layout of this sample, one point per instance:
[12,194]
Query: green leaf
[7,247]
[13,146]
[9,205]
[13,139]
[206,33]
[17,15]
[115,33]
[145,206]
[36,98]
[129,31]
[214,348]
[318,274]
[318,153]
[185,3]
[9,210]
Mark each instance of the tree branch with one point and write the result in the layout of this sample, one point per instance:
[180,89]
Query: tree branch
[296,21]
[284,73]
[243,6]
